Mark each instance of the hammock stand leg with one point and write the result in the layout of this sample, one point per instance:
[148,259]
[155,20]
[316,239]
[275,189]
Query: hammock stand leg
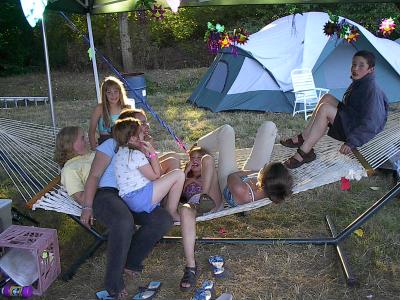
[88,252]
[19,217]
[334,240]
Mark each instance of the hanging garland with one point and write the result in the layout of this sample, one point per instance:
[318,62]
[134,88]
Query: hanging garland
[216,38]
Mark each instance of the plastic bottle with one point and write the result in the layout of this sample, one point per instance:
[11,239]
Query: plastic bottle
[10,290]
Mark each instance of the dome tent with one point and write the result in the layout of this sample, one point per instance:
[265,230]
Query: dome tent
[258,78]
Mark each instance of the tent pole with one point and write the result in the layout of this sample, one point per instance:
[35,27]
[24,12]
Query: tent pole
[95,73]
[46,55]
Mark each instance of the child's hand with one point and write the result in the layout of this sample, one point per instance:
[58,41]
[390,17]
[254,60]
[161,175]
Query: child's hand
[345,149]
[188,167]
[149,138]
[147,147]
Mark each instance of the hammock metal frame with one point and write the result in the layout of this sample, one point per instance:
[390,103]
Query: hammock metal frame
[335,240]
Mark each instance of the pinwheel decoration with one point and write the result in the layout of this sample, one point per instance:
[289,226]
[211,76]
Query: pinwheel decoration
[157,12]
[387,26]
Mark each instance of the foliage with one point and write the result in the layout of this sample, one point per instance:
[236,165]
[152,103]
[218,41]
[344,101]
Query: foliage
[175,42]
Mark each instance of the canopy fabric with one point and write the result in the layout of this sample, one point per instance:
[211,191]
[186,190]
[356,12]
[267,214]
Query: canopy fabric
[112,6]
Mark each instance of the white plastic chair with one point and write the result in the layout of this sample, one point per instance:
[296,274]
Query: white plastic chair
[306,94]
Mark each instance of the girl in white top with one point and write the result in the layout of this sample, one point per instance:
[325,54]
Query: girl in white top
[138,171]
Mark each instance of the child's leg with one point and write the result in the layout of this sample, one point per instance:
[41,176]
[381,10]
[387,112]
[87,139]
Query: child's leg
[262,147]
[188,229]
[222,140]
[170,184]
[326,114]
[209,177]
[327,99]
[169,161]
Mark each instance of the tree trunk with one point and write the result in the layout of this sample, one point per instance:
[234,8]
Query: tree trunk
[126,49]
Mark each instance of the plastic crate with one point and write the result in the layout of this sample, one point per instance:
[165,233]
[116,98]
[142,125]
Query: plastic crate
[43,244]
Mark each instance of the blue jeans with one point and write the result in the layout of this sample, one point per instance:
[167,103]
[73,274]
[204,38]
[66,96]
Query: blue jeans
[125,247]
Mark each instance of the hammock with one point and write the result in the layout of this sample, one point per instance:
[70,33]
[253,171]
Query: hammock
[26,154]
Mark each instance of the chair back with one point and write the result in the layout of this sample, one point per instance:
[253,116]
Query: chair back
[303,84]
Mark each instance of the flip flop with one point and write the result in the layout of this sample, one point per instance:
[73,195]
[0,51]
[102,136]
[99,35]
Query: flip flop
[148,292]
[104,295]
[225,296]
[217,266]
[205,292]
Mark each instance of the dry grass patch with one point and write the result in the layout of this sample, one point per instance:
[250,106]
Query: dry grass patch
[255,271]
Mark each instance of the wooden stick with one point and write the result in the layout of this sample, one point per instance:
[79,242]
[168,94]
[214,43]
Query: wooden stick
[45,190]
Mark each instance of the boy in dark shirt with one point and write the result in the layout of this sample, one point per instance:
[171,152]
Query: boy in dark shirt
[355,121]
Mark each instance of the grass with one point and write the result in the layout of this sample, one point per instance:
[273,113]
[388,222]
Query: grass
[255,272]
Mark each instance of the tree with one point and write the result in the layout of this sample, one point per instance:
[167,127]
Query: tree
[126,48]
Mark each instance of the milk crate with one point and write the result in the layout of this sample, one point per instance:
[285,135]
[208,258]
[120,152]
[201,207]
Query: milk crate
[41,244]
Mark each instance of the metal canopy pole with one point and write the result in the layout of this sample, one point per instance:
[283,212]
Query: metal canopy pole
[46,55]
[95,73]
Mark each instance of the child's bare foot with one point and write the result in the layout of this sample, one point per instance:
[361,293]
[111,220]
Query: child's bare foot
[131,274]
[218,207]
[122,295]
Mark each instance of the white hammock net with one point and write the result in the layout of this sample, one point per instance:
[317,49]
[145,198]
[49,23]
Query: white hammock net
[26,155]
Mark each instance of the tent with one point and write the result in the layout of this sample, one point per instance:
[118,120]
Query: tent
[258,77]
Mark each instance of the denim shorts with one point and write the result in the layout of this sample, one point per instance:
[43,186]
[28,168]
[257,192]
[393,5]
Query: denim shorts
[229,198]
[140,200]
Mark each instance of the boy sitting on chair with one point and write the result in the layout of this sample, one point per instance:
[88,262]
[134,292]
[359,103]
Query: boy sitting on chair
[355,121]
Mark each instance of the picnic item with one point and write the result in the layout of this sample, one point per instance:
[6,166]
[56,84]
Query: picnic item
[148,292]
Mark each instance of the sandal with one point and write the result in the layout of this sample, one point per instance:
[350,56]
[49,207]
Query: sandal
[189,277]
[290,144]
[293,163]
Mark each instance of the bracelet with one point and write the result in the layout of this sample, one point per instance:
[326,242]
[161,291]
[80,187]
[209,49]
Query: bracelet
[152,155]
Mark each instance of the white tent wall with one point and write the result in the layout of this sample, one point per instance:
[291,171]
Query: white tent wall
[263,80]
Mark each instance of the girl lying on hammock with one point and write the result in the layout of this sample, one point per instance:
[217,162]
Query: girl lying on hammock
[258,179]
[201,179]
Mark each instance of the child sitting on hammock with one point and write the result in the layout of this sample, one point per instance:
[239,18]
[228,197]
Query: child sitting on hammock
[73,155]
[271,180]
[201,179]
[355,121]
[138,171]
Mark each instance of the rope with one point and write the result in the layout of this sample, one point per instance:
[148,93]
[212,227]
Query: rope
[122,78]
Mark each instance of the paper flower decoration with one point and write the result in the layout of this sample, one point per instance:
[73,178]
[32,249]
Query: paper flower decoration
[174,5]
[240,36]
[217,38]
[157,12]
[33,10]
[387,26]
[353,35]
[330,28]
